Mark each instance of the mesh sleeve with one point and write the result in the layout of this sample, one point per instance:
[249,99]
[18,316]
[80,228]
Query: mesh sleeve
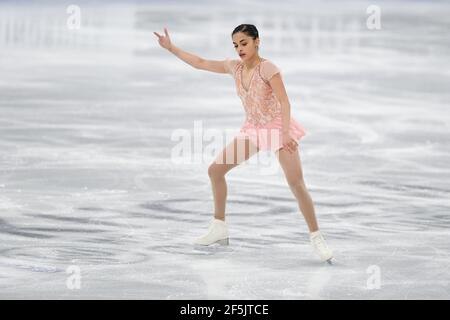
[230,65]
[268,70]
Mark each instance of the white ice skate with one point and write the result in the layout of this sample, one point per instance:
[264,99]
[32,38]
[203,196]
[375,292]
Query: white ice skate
[217,233]
[320,246]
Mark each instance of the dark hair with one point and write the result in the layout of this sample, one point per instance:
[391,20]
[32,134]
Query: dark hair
[249,29]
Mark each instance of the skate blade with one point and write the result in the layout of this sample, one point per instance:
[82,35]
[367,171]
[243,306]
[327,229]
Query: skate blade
[223,242]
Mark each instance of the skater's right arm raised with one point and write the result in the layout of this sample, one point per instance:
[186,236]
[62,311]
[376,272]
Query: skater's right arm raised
[197,62]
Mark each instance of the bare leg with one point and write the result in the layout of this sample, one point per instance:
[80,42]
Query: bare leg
[231,156]
[294,176]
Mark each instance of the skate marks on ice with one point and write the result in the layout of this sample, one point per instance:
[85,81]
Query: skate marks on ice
[378,155]
[54,240]
[243,209]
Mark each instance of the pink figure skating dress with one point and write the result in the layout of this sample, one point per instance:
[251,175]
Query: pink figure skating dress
[263,121]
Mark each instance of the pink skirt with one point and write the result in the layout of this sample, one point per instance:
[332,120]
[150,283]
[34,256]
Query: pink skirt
[269,136]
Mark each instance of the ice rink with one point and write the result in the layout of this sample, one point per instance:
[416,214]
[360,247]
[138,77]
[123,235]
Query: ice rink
[94,204]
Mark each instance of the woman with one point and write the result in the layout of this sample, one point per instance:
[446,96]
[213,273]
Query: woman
[268,126]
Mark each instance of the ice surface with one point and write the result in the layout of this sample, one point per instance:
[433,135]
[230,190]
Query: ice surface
[87,178]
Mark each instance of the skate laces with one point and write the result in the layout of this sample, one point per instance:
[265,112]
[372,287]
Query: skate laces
[213,224]
[320,243]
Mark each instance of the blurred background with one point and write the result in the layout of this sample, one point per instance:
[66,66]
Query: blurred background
[93,204]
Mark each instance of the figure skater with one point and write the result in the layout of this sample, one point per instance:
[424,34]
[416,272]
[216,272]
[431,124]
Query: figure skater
[268,126]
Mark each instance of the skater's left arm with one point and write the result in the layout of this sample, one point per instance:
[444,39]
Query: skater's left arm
[276,82]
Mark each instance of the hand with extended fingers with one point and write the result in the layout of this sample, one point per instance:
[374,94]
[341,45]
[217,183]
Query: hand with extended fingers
[289,144]
[164,41]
